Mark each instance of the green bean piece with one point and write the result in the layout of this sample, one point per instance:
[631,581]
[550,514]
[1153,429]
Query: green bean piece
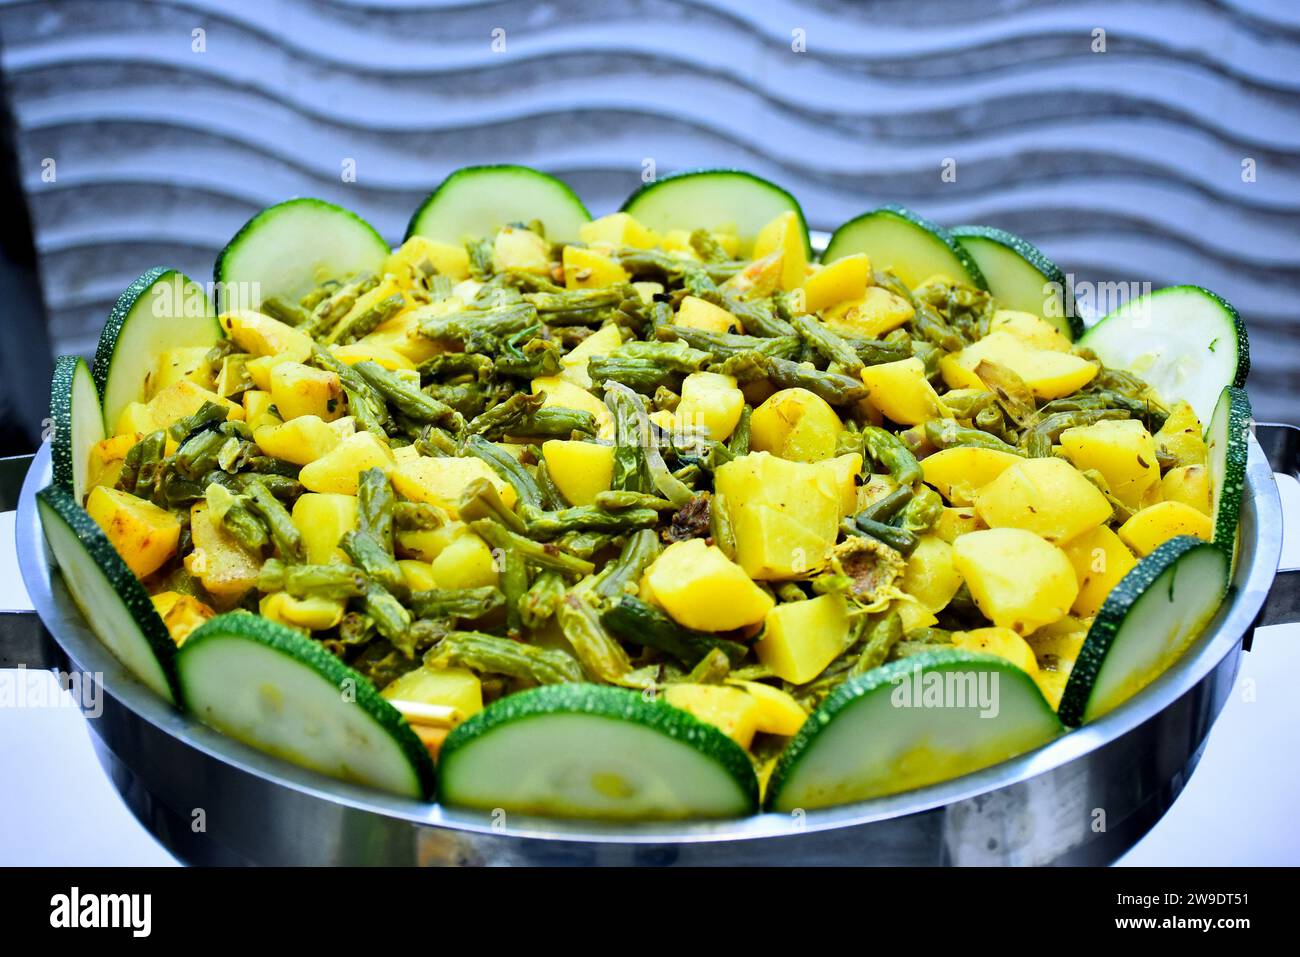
[284,533]
[968,406]
[601,655]
[312,581]
[929,635]
[895,457]
[824,340]
[586,518]
[922,511]
[375,507]
[231,513]
[481,500]
[630,474]
[540,603]
[578,306]
[480,330]
[367,554]
[738,443]
[493,655]
[721,529]
[622,576]
[907,648]
[886,507]
[391,618]
[640,623]
[1012,394]
[508,468]
[834,388]
[949,433]
[418,516]
[545,556]
[456,602]
[712,669]
[617,501]
[407,398]
[724,345]
[205,414]
[361,322]
[706,247]
[290,313]
[899,539]
[458,364]
[1039,439]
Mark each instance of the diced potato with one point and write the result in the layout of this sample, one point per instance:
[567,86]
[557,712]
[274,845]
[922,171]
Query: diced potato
[800,638]
[1189,484]
[1001,642]
[1100,560]
[710,400]
[580,470]
[145,535]
[703,589]
[588,269]
[420,255]
[784,520]
[521,249]
[1048,497]
[185,398]
[1017,580]
[401,335]
[457,688]
[958,473]
[299,389]
[1156,524]
[844,280]
[762,277]
[180,613]
[728,709]
[778,711]
[931,575]
[785,234]
[1032,330]
[259,370]
[442,481]
[323,518]
[136,418]
[617,229]
[1122,450]
[261,335]
[416,575]
[566,395]
[300,440]
[106,453]
[912,614]
[1180,437]
[337,470]
[466,562]
[953,522]
[902,392]
[877,312]
[700,314]
[426,544]
[795,424]
[257,409]
[647,290]
[313,613]
[600,343]
[225,567]
[678,242]
[364,351]
[1048,374]
[175,365]
[838,476]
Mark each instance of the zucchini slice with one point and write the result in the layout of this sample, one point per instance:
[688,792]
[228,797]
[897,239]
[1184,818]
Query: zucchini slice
[908,245]
[474,202]
[910,723]
[713,199]
[290,248]
[594,751]
[163,309]
[1186,342]
[1146,622]
[78,423]
[1225,439]
[280,692]
[112,600]
[1020,277]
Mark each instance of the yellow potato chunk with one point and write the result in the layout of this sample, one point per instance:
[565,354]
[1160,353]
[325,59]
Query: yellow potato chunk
[300,440]
[931,575]
[844,280]
[588,269]
[700,314]
[1123,451]
[135,419]
[1189,484]
[800,638]
[174,365]
[901,391]
[185,398]
[1048,497]
[180,613]
[617,229]
[370,351]
[457,688]
[1001,642]
[566,395]
[1156,524]
[913,614]
[600,343]
[416,575]
[312,613]
[401,334]
[953,522]
[1017,580]
[762,277]
[1180,437]
[323,518]
[580,470]
[711,401]
[1100,560]
[876,313]
[337,470]
[225,567]
[1048,374]
[260,335]
[106,458]
[1034,331]
[466,562]
[143,534]
[442,481]
[838,476]
[299,389]
[778,711]
[522,249]
[257,409]
[426,544]
[419,256]
[958,473]
[728,709]
[784,234]
[703,589]
[795,424]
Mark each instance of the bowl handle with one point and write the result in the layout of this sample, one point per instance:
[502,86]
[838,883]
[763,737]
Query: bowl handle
[24,642]
[1281,445]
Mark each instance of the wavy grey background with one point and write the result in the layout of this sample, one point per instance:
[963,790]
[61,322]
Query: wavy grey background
[1124,165]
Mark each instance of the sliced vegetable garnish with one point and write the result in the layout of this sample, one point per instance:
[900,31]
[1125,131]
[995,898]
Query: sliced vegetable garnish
[1226,441]
[1184,341]
[579,750]
[162,310]
[112,600]
[78,423]
[1020,277]
[476,201]
[1145,623]
[288,249]
[277,690]
[911,723]
[910,246]
[718,200]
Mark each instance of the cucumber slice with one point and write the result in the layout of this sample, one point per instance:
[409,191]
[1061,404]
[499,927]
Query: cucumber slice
[289,249]
[78,423]
[112,600]
[594,751]
[908,245]
[474,202]
[1020,276]
[280,692]
[162,309]
[713,199]
[1147,620]
[1226,440]
[908,724]
[1186,342]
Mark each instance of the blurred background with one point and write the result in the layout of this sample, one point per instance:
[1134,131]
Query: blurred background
[1134,142]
